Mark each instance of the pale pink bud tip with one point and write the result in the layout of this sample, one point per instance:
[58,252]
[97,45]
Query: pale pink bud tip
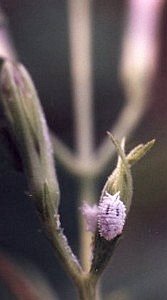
[111,216]
[90,213]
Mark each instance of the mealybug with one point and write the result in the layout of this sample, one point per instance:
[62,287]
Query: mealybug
[111,216]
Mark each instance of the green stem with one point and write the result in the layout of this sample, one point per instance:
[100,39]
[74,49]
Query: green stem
[87,289]
[63,251]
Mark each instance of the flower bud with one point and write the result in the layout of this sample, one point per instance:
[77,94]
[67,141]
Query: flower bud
[121,179]
[114,206]
[29,129]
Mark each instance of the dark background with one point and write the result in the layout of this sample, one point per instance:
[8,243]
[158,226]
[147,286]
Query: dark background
[40,33]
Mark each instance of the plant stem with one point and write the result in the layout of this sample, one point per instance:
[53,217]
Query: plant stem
[81,74]
[63,251]
[87,289]
[80,32]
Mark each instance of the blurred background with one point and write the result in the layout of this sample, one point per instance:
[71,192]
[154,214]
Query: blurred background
[39,30]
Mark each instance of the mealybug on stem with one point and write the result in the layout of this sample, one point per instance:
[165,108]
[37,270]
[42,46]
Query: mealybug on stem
[111,216]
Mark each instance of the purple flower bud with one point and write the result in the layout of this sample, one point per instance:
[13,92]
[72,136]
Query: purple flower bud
[111,216]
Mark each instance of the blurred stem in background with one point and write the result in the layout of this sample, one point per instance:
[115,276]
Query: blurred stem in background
[7,49]
[80,31]
[20,285]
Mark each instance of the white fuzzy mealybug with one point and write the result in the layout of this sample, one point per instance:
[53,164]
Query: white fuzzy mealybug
[111,216]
